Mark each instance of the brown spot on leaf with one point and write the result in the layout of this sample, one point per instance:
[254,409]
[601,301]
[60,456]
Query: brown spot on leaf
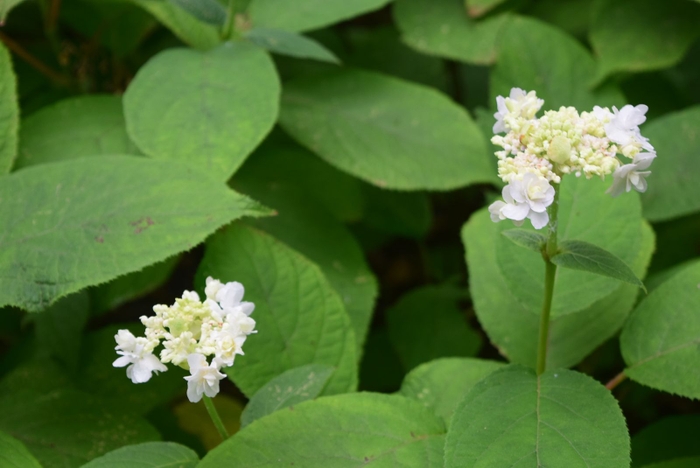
[100,239]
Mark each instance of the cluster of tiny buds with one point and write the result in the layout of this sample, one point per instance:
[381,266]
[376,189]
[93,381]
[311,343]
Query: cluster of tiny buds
[188,332]
[537,152]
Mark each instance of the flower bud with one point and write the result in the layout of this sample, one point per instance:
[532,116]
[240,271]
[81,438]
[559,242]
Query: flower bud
[559,150]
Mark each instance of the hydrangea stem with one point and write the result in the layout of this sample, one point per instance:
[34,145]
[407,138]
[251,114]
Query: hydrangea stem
[550,273]
[211,409]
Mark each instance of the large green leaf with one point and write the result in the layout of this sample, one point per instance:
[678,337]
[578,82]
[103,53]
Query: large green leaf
[515,418]
[672,188]
[65,428]
[207,11]
[73,128]
[9,110]
[641,35]
[692,462]
[13,453]
[672,437]
[404,214]
[304,15]
[502,306]
[389,132]
[536,56]
[78,223]
[343,431]
[210,109]
[185,26]
[148,455]
[443,28]
[306,227]
[288,389]
[661,339]
[428,324]
[441,384]
[300,318]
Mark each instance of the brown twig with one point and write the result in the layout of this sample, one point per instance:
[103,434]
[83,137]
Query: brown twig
[617,380]
[40,66]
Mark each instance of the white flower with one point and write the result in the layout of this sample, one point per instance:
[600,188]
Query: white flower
[623,128]
[190,296]
[632,175]
[526,198]
[519,104]
[204,378]
[212,288]
[229,297]
[136,354]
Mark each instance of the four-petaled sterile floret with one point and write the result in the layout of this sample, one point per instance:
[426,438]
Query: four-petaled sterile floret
[537,152]
[187,332]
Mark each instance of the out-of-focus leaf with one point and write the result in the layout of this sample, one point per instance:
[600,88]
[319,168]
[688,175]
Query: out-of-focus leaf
[305,15]
[208,11]
[194,419]
[9,108]
[147,455]
[185,26]
[13,453]
[672,437]
[443,28]
[74,128]
[288,43]
[427,324]
[392,133]
[213,116]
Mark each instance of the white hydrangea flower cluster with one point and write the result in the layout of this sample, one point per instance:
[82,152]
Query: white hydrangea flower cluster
[189,331]
[537,152]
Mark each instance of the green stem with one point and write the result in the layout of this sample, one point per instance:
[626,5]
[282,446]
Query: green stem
[211,409]
[235,7]
[550,273]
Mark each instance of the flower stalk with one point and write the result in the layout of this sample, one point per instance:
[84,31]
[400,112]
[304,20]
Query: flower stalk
[550,272]
[216,419]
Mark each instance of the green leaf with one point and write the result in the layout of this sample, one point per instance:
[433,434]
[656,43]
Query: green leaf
[677,463]
[305,15]
[283,42]
[78,223]
[108,296]
[9,108]
[389,132]
[287,389]
[74,128]
[442,383]
[343,431]
[213,116]
[671,437]
[59,328]
[641,35]
[208,11]
[300,318]
[506,281]
[67,428]
[561,418]
[536,56]
[584,256]
[672,188]
[524,238]
[185,26]
[443,28]
[427,324]
[661,339]
[304,226]
[148,455]
[13,453]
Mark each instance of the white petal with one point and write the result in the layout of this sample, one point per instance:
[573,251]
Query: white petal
[231,294]
[247,307]
[196,361]
[122,361]
[516,212]
[495,210]
[194,391]
[539,220]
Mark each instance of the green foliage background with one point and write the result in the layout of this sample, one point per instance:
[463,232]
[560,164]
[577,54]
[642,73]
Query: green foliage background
[334,157]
